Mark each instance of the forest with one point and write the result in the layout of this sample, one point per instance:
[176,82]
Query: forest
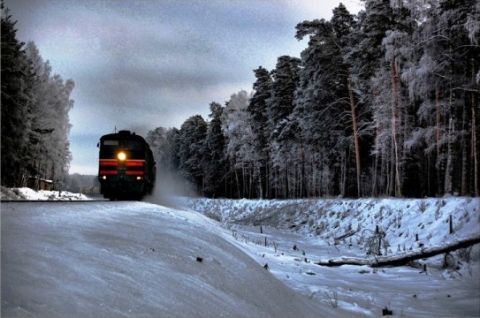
[382,103]
[34,114]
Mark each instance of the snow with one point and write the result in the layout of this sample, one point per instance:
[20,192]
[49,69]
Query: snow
[311,225]
[133,259]
[136,259]
[400,219]
[41,195]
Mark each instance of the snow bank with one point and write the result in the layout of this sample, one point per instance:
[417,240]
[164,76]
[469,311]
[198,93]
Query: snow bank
[132,259]
[292,235]
[9,194]
[403,220]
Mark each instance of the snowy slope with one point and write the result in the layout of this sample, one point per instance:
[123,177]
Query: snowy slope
[132,259]
[401,219]
[290,236]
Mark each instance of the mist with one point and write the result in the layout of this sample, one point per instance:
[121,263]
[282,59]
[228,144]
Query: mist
[169,186]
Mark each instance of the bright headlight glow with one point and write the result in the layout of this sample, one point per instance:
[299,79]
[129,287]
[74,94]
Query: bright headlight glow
[121,156]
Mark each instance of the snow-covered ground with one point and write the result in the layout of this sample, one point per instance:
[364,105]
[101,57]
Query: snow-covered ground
[299,232]
[9,194]
[134,259]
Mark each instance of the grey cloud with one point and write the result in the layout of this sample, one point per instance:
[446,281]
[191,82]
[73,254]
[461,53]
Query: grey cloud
[139,64]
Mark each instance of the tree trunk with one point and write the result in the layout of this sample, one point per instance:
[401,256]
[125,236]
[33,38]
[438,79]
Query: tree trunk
[474,149]
[401,259]
[267,177]
[244,183]
[448,168]
[343,173]
[375,170]
[464,186]
[303,183]
[437,139]
[355,133]
[237,181]
[260,186]
[314,173]
[394,80]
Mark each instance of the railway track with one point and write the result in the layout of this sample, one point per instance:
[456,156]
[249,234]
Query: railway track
[53,201]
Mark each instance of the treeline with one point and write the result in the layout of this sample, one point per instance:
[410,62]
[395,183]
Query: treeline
[86,184]
[34,113]
[385,102]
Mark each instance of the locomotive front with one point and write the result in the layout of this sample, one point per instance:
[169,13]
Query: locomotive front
[126,166]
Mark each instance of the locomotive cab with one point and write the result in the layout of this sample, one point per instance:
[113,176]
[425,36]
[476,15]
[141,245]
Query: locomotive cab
[126,166]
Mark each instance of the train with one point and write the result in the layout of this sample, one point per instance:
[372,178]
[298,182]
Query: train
[126,168]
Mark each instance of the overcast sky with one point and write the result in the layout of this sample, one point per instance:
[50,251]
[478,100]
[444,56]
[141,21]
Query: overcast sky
[143,64]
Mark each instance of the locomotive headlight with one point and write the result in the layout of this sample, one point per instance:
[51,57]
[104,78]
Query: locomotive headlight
[121,156]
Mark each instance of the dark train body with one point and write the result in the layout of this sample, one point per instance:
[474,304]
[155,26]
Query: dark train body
[126,166]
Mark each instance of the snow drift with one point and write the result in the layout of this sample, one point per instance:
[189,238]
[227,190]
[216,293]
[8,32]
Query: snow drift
[12,194]
[132,259]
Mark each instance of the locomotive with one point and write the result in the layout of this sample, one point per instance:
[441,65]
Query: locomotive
[126,166]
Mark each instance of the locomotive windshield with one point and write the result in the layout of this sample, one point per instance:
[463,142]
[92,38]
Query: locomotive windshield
[110,143]
[134,148]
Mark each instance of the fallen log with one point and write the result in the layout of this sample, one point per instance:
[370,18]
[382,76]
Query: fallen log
[401,259]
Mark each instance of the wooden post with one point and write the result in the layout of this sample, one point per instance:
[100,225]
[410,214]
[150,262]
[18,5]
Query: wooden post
[451,224]
[380,245]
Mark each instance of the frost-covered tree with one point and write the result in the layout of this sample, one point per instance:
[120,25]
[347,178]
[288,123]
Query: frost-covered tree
[456,36]
[35,108]
[190,150]
[164,143]
[442,82]
[382,103]
[240,150]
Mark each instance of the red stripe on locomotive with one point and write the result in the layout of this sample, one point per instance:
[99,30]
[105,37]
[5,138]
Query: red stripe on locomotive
[134,173]
[134,163]
[108,162]
[128,162]
[108,172]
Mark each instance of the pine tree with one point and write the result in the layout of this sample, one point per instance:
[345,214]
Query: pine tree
[190,150]
[16,100]
[328,103]
[214,160]
[279,106]
[258,118]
